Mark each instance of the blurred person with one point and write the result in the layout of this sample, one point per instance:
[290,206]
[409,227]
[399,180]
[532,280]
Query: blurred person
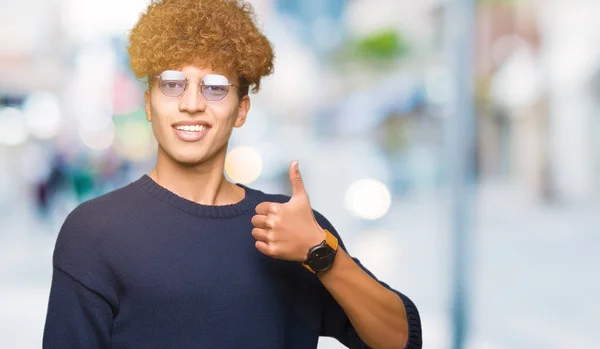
[183,258]
[57,181]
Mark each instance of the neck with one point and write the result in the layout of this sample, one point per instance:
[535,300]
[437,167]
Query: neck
[203,183]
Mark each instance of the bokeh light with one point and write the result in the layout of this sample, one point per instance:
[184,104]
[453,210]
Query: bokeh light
[368,199]
[99,138]
[135,140]
[13,130]
[243,164]
[43,115]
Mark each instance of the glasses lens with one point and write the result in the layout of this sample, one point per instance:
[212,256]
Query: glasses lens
[215,87]
[172,83]
[215,92]
[172,88]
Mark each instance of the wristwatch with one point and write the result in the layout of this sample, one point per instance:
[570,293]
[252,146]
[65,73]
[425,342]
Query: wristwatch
[321,257]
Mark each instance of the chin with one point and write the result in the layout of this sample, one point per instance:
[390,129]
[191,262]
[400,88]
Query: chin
[190,156]
[187,160]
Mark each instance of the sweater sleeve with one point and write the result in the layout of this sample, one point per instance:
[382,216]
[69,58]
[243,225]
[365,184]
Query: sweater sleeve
[77,317]
[83,297]
[335,323]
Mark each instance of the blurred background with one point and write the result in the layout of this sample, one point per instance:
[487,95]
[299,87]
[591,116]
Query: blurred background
[481,207]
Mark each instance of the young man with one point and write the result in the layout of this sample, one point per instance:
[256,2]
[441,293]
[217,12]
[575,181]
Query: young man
[182,258]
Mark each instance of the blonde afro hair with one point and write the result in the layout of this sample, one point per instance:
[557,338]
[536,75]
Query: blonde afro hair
[216,34]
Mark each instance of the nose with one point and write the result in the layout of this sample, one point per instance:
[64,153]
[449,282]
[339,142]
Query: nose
[192,101]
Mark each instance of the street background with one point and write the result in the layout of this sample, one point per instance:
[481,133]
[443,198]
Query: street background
[361,95]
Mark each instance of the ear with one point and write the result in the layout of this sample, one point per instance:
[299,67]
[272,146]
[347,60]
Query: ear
[148,106]
[243,109]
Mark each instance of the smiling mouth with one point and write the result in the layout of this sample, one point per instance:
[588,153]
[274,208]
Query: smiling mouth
[191,132]
[191,128]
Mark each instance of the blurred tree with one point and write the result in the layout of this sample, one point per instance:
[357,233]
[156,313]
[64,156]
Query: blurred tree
[385,44]
[373,50]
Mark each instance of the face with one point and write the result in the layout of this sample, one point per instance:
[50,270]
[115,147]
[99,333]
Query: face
[192,129]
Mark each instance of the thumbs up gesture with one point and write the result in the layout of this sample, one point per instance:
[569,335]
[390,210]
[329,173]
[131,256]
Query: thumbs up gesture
[287,231]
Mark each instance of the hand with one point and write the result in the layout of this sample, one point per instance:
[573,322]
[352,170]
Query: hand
[287,231]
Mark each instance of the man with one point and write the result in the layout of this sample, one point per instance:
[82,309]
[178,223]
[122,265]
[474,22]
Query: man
[182,258]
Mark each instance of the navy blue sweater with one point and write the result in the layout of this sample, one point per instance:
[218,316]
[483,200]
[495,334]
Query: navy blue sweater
[141,267]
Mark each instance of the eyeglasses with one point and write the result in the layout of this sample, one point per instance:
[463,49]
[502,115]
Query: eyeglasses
[173,83]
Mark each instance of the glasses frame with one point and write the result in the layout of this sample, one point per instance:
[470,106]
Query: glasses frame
[187,82]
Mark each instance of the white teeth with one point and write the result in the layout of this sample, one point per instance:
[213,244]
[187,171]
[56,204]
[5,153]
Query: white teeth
[194,128]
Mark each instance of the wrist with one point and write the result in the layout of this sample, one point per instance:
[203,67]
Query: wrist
[318,237]
[321,256]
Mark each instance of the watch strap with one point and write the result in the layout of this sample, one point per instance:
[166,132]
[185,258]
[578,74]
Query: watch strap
[331,240]
[309,268]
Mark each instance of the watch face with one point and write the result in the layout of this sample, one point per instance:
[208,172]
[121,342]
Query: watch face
[321,258]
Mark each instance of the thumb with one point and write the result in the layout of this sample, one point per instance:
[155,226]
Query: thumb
[296,180]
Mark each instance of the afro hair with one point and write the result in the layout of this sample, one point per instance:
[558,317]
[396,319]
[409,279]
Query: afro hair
[216,34]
